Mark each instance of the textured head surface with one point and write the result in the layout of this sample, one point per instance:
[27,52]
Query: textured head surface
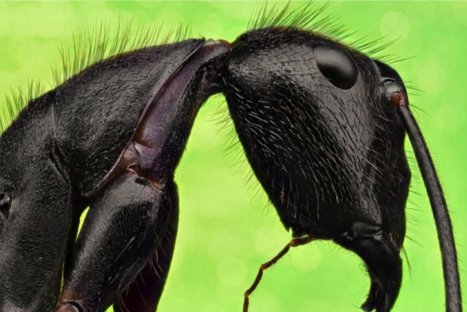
[324,144]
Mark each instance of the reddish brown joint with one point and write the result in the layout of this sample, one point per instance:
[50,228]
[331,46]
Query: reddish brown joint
[398,99]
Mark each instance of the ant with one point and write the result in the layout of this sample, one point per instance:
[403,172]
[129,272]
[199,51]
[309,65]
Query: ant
[321,124]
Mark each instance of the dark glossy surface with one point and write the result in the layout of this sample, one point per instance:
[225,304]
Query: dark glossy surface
[34,235]
[98,110]
[149,283]
[329,158]
[336,65]
[60,156]
[122,229]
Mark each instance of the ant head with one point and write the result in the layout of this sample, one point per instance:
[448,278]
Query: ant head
[318,131]
[314,119]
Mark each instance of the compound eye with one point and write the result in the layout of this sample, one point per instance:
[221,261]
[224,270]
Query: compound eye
[336,65]
[5,202]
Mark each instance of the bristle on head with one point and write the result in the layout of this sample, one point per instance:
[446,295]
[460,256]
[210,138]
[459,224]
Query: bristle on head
[313,16]
[95,44]
[101,42]
[16,100]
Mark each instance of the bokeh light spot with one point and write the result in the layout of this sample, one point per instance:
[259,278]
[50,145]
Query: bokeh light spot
[395,25]
[450,118]
[232,272]
[306,258]
[431,76]
[269,242]
[459,11]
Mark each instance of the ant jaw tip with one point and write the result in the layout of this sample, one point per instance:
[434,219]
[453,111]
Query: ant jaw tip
[367,307]
[382,259]
[380,299]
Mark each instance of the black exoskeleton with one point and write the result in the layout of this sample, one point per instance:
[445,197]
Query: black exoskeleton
[322,125]
[325,146]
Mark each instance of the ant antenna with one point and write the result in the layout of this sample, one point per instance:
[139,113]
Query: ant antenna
[439,208]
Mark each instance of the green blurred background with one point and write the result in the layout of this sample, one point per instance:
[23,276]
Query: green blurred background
[227,228]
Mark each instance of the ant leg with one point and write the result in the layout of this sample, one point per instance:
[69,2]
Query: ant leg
[123,228]
[144,293]
[293,243]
